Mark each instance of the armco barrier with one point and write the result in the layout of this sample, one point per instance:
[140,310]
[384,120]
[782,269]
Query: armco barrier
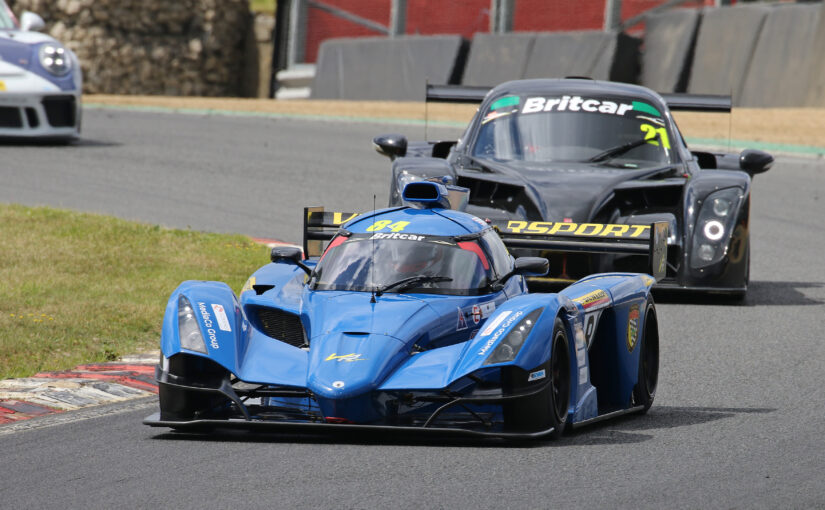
[724,48]
[668,51]
[595,54]
[779,71]
[386,69]
[496,58]
[816,87]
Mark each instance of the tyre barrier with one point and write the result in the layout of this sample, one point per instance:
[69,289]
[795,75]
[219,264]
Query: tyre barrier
[778,74]
[724,49]
[670,39]
[377,68]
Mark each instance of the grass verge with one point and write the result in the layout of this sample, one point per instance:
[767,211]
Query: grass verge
[82,288]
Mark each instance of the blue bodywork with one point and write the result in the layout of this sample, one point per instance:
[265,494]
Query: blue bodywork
[395,359]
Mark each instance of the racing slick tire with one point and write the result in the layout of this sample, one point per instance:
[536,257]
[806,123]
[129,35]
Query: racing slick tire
[645,389]
[549,407]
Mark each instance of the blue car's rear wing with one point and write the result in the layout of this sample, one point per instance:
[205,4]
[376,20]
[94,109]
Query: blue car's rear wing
[676,102]
[649,240]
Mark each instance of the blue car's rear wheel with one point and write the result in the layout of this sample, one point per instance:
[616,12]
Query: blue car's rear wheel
[645,389]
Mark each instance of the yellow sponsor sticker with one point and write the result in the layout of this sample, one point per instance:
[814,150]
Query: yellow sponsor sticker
[591,299]
[575,229]
[2,85]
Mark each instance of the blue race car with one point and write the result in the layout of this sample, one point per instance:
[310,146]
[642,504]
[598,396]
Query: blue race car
[416,318]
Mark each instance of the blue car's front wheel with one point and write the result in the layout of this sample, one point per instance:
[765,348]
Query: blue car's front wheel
[547,408]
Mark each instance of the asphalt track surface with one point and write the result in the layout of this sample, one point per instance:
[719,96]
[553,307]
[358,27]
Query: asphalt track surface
[737,422]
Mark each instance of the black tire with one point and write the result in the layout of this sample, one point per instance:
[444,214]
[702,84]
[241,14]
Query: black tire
[645,389]
[548,408]
[559,390]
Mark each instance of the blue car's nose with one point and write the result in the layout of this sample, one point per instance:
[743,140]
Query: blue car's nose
[345,365]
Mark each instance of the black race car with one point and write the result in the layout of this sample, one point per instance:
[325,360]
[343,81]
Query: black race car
[565,155]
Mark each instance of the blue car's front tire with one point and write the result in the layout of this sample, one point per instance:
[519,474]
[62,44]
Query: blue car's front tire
[549,407]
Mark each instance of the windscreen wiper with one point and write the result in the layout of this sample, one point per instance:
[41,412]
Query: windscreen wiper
[412,280]
[620,149]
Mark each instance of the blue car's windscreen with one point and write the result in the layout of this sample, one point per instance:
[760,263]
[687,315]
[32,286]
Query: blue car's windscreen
[574,128]
[362,264]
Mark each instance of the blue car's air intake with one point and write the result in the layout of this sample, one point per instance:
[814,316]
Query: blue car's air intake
[430,195]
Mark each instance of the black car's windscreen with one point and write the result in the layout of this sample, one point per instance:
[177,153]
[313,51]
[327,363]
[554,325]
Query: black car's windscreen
[574,128]
[362,264]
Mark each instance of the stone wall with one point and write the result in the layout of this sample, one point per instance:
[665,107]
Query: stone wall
[170,47]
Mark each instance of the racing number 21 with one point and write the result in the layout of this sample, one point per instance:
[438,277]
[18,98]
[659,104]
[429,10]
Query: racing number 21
[651,132]
[398,226]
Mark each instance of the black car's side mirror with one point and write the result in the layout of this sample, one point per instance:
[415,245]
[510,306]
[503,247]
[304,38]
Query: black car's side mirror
[393,146]
[754,161]
[291,254]
[526,266]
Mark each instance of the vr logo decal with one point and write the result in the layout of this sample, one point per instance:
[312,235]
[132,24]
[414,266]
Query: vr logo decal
[344,357]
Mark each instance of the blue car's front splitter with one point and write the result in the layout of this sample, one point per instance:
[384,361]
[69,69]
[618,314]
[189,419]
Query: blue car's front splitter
[154,420]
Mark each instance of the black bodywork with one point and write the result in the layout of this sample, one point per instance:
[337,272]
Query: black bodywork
[707,252]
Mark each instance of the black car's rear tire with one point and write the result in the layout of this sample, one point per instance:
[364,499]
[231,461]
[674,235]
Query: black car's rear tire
[645,389]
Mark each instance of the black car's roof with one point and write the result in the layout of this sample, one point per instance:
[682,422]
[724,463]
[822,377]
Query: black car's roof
[575,86]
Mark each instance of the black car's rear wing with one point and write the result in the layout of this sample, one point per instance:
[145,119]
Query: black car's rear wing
[321,226]
[650,240]
[676,102]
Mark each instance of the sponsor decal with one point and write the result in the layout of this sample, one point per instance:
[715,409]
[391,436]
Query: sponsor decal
[504,102]
[499,332]
[648,280]
[396,235]
[582,375]
[2,85]
[344,357]
[591,299]
[575,229]
[480,221]
[220,316]
[338,384]
[209,325]
[585,104]
[632,327]
[535,376]
[482,311]
[494,323]
[462,322]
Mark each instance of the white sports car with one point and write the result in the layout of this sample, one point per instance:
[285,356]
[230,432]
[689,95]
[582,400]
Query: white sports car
[40,81]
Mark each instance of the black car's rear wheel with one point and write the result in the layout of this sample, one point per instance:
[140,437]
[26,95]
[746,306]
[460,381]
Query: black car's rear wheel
[645,389]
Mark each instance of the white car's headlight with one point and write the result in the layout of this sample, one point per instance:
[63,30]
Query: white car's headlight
[55,59]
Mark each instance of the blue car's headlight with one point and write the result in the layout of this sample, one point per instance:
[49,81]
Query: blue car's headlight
[55,59]
[511,344]
[188,329]
[713,227]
